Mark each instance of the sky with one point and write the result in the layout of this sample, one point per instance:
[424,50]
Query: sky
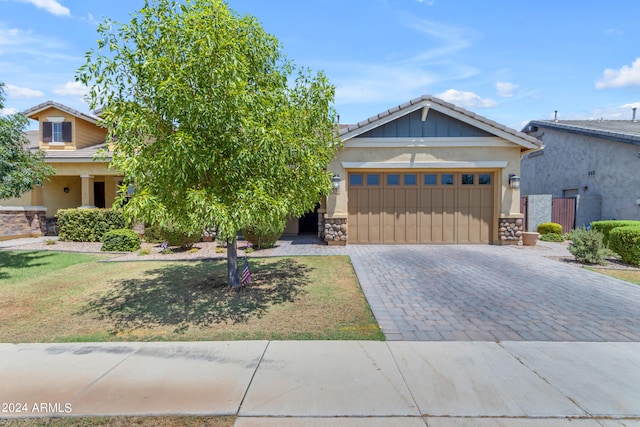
[510,61]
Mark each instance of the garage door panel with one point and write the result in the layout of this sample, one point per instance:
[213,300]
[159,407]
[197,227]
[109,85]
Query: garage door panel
[422,208]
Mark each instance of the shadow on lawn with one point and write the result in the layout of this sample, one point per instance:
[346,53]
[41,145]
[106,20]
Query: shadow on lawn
[19,259]
[197,294]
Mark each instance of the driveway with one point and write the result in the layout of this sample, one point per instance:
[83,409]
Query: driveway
[491,293]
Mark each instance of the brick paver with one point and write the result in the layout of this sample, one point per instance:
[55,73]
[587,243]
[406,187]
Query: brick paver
[491,293]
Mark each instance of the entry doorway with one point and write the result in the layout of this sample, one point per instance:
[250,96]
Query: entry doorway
[308,223]
[98,195]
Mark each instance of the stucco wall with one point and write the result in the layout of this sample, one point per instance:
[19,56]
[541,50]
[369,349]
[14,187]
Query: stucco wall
[596,168]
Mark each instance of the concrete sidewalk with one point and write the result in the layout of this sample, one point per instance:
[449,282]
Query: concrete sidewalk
[330,383]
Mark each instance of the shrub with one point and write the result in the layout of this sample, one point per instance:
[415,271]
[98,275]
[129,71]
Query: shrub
[122,240]
[606,226]
[549,227]
[264,236]
[88,225]
[152,234]
[176,236]
[588,247]
[551,237]
[625,241]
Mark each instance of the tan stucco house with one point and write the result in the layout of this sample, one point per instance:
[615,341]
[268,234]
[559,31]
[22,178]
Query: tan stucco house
[426,171]
[70,140]
[423,172]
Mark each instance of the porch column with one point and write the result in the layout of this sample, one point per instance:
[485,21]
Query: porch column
[88,199]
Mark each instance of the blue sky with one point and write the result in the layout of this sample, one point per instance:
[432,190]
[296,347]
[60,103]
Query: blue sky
[510,61]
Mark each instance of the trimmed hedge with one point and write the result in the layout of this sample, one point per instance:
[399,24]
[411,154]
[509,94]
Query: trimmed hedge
[549,227]
[87,225]
[606,226]
[551,237]
[264,236]
[122,240]
[625,241]
[175,236]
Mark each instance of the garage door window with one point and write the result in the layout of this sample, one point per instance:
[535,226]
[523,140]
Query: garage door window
[467,179]
[446,179]
[484,179]
[373,179]
[430,179]
[355,179]
[410,179]
[393,179]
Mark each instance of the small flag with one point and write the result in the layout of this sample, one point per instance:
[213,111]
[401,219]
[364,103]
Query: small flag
[246,274]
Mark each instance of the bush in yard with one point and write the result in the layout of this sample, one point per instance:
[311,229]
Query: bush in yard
[625,241]
[606,226]
[588,246]
[176,236]
[87,225]
[122,240]
[549,227]
[264,236]
[551,237]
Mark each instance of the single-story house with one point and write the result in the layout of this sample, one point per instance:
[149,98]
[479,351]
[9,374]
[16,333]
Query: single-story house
[70,140]
[595,161]
[425,171]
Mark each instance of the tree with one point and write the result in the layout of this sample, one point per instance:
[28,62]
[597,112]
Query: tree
[20,169]
[208,121]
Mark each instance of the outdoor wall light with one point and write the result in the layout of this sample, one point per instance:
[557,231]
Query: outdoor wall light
[66,189]
[514,181]
[335,181]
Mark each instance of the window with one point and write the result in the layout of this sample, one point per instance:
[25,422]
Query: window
[355,179]
[430,179]
[373,179]
[410,179]
[484,179]
[393,179]
[467,179]
[446,179]
[56,132]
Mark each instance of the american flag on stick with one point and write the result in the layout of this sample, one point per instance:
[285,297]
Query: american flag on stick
[246,274]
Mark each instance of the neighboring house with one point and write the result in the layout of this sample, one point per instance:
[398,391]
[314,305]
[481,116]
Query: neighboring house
[595,161]
[423,172]
[70,140]
[426,172]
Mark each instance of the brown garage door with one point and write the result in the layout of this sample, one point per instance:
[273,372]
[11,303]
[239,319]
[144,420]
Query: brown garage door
[420,207]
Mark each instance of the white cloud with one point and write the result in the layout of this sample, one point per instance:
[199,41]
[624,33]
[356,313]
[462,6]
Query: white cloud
[51,6]
[625,76]
[466,99]
[22,92]
[71,88]
[506,89]
[8,111]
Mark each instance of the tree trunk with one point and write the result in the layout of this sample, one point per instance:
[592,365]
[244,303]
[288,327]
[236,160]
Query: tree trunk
[232,264]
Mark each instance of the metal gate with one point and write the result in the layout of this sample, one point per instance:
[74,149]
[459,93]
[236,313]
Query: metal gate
[523,211]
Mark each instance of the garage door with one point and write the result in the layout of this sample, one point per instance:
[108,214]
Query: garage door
[420,207]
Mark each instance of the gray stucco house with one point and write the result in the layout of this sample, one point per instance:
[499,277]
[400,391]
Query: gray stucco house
[596,161]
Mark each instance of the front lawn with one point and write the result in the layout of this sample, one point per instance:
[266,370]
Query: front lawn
[59,297]
[630,275]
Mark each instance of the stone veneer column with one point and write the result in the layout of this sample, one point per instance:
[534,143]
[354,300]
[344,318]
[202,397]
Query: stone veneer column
[332,230]
[510,229]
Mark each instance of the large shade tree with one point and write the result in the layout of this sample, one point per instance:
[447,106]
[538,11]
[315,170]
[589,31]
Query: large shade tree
[209,121]
[20,169]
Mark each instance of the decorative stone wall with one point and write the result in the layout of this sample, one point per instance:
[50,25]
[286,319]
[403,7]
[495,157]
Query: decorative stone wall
[18,222]
[332,230]
[510,231]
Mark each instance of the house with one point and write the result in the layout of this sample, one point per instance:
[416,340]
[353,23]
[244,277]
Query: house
[594,161]
[70,140]
[426,171]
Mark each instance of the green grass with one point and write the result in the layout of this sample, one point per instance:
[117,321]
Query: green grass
[155,421]
[57,297]
[632,276]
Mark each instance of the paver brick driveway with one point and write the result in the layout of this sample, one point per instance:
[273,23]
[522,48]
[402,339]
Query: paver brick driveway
[487,293]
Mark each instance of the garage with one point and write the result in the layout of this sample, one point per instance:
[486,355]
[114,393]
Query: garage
[413,207]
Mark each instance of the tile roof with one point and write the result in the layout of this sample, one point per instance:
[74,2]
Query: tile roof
[615,130]
[512,134]
[40,107]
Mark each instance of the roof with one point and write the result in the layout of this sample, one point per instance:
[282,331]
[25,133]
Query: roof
[86,154]
[627,131]
[33,111]
[525,141]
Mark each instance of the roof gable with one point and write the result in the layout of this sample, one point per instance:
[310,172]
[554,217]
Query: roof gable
[438,119]
[33,112]
[627,131]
